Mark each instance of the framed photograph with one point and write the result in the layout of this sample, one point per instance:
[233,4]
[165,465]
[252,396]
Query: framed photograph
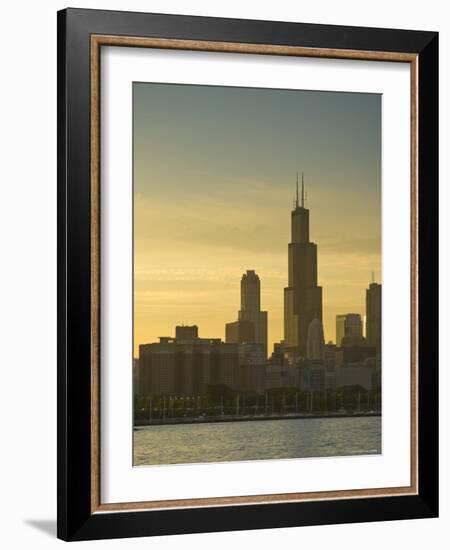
[247,255]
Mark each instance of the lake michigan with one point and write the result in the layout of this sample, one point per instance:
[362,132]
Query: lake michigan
[262,440]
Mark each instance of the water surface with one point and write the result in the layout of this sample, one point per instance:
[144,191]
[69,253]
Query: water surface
[268,439]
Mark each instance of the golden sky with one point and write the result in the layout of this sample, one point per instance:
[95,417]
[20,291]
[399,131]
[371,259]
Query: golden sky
[214,178]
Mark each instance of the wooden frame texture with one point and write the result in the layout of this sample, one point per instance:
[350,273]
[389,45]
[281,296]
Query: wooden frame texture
[81,34]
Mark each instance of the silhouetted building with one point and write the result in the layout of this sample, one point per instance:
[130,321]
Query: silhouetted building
[240,332]
[302,296]
[135,376]
[316,343]
[185,332]
[340,328]
[252,377]
[281,376]
[353,325]
[330,352]
[279,354]
[252,367]
[373,316]
[353,341]
[186,366]
[376,362]
[356,374]
[356,353]
[349,326]
[251,354]
[251,326]
[316,375]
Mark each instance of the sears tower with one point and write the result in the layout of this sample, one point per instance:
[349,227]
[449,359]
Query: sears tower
[302,296]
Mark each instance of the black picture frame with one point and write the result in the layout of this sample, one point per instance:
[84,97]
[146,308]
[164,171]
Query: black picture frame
[75,519]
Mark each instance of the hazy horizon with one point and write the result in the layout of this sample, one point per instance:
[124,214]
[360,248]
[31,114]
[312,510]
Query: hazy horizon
[214,181]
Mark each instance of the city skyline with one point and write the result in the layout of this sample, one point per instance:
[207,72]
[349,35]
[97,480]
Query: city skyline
[197,230]
[344,324]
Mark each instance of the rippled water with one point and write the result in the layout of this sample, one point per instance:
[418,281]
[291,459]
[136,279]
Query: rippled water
[293,438]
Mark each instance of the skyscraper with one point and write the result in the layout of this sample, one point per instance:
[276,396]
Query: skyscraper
[373,316]
[340,328]
[251,326]
[348,326]
[353,325]
[315,343]
[302,296]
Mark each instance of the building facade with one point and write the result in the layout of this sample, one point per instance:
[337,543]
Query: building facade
[186,366]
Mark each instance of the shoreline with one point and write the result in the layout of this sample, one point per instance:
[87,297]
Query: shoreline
[221,419]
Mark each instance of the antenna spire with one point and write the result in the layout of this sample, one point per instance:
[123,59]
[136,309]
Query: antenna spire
[303,192]
[296,193]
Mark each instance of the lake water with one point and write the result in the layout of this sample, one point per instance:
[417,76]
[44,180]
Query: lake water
[262,440]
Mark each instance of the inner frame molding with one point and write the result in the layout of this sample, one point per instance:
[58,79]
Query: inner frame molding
[96,42]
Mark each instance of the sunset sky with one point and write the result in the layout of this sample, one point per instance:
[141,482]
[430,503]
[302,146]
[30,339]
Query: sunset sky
[214,181]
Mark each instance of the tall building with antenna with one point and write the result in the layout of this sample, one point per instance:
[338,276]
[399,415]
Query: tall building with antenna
[302,296]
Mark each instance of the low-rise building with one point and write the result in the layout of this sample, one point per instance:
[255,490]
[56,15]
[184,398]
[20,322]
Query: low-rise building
[355,374]
[186,366]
